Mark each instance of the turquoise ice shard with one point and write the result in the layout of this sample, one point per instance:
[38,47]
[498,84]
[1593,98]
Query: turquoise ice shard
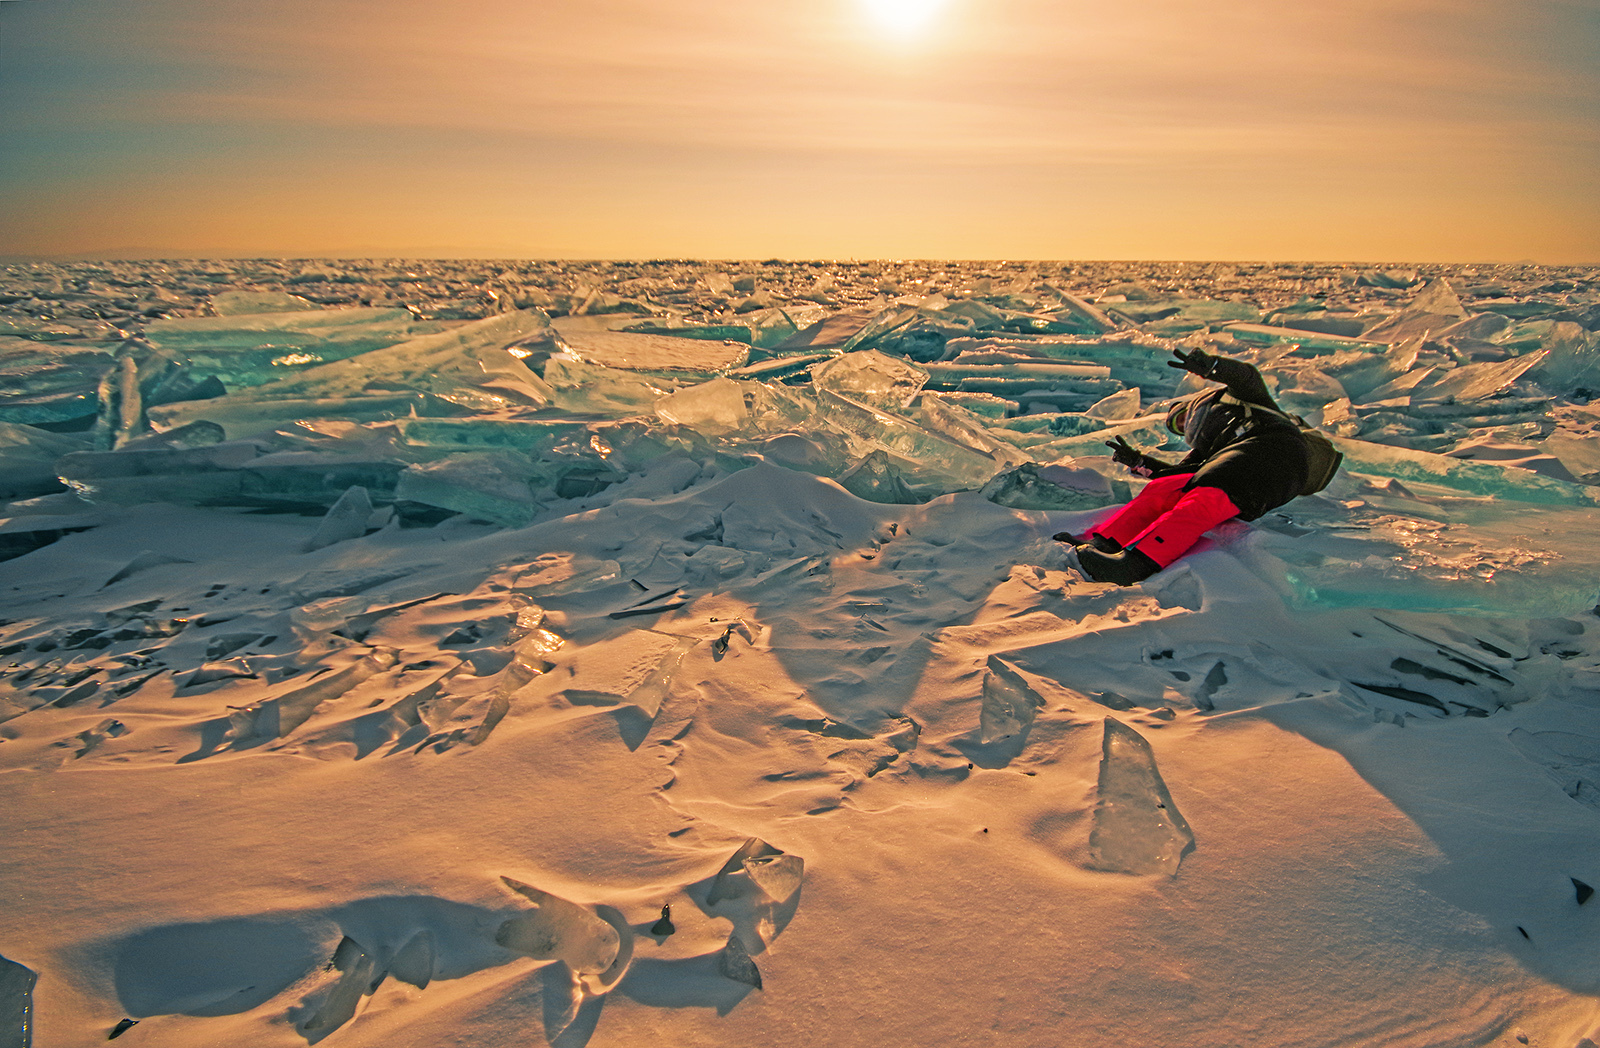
[1009,703]
[1468,477]
[49,383]
[1267,334]
[870,376]
[490,485]
[558,930]
[1137,828]
[16,1004]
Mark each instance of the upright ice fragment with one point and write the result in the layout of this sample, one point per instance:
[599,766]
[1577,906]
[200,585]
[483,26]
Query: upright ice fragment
[347,519]
[558,930]
[358,976]
[734,962]
[1009,704]
[1137,828]
[16,1004]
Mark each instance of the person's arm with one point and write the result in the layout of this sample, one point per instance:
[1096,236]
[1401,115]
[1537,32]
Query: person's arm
[1144,464]
[1243,380]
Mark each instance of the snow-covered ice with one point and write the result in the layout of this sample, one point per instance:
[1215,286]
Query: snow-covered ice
[387,644]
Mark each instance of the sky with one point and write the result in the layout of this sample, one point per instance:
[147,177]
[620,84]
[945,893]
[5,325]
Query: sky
[1351,130]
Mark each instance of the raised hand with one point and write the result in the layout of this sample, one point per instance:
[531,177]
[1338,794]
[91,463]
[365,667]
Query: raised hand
[1197,361]
[1124,453]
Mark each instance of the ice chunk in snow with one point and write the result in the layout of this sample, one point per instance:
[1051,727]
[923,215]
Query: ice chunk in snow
[776,873]
[358,976]
[1137,829]
[558,930]
[346,519]
[1009,703]
[1054,487]
[733,961]
[414,962]
[488,485]
[1123,404]
[16,1004]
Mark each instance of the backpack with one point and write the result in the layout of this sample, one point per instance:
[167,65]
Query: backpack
[1322,458]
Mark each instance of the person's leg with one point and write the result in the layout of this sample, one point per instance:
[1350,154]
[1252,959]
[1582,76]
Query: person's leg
[1158,497]
[1167,538]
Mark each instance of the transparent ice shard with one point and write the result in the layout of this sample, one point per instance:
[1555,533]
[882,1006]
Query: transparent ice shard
[652,691]
[46,383]
[1468,477]
[1055,487]
[637,351]
[1474,381]
[937,459]
[1574,360]
[876,479]
[345,519]
[579,386]
[277,717]
[1119,406]
[358,977]
[558,930]
[249,350]
[1267,334]
[469,366]
[870,376]
[754,850]
[1009,703]
[1137,828]
[237,303]
[725,406]
[778,876]
[492,486]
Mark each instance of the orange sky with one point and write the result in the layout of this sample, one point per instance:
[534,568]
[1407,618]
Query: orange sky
[1404,130]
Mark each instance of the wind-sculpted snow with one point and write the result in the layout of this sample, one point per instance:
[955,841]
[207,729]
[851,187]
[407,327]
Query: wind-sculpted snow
[464,652]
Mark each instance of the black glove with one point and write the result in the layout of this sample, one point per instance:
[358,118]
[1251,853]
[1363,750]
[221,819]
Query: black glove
[1124,453]
[1197,361]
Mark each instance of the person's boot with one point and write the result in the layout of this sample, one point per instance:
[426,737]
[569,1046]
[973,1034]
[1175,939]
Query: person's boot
[1128,567]
[1097,541]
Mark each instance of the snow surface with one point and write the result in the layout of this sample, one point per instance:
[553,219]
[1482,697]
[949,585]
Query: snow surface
[393,772]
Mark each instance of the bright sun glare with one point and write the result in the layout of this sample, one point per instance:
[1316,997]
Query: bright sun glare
[903,16]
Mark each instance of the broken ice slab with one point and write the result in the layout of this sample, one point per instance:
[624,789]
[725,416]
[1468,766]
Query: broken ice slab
[652,691]
[249,350]
[245,303]
[1054,487]
[50,383]
[16,1004]
[1312,341]
[27,459]
[1574,360]
[277,717]
[1119,406]
[1009,703]
[1474,381]
[496,486]
[234,473]
[939,461]
[358,976]
[558,930]
[576,385]
[1484,479]
[247,415]
[868,375]
[1137,828]
[530,436]
[635,351]
[470,366]
[876,479]
[725,405]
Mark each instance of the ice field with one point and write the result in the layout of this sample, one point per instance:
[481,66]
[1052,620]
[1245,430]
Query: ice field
[386,643]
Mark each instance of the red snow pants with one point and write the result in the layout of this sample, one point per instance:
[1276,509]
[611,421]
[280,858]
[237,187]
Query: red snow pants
[1163,521]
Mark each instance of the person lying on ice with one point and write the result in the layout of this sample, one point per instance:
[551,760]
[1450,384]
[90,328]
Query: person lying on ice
[1242,463]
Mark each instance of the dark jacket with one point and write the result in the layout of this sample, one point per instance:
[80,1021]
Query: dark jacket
[1257,458]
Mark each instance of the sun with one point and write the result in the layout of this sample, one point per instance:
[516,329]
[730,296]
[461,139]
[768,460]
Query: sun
[903,16]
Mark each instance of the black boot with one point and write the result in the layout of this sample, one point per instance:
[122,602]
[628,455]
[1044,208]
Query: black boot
[1126,568]
[1099,542]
